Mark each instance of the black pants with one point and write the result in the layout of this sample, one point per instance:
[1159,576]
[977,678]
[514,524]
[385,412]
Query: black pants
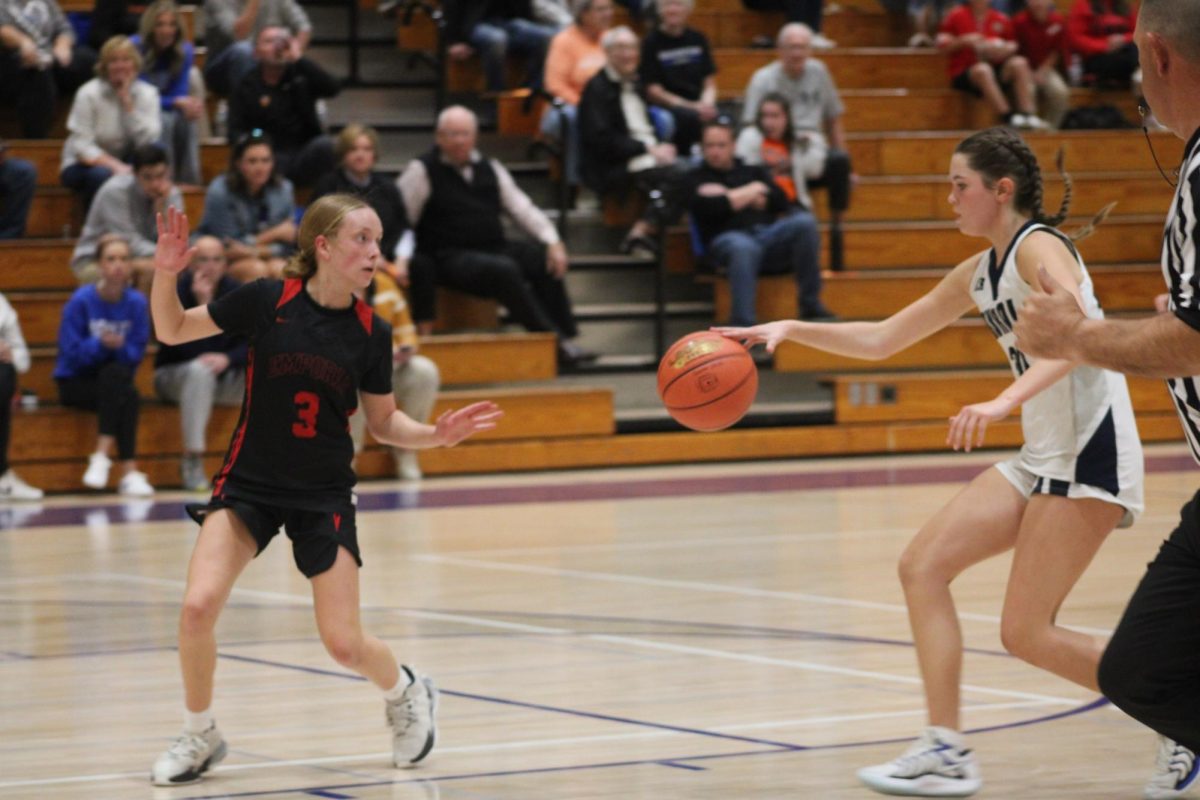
[1151,668]
[688,128]
[516,276]
[8,387]
[34,92]
[806,11]
[1116,67]
[303,165]
[836,178]
[113,396]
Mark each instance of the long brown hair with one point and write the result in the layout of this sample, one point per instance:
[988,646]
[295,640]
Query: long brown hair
[323,218]
[150,51]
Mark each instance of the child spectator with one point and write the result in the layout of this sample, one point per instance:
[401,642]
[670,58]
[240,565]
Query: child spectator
[1041,34]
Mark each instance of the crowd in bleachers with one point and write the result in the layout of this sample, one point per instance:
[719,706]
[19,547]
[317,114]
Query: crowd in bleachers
[634,113]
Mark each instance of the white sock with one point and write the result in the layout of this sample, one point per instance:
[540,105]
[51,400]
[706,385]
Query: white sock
[198,721]
[949,736]
[396,692]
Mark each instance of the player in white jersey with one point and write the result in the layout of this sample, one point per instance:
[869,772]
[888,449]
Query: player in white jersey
[1078,475]
[1151,668]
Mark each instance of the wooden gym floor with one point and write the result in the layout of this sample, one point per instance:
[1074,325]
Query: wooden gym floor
[729,631]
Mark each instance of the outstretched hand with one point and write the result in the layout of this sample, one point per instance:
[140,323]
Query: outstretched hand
[455,425]
[769,334]
[171,253]
[1047,319]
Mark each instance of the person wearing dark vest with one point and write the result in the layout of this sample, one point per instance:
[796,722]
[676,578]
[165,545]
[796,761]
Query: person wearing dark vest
[454,197]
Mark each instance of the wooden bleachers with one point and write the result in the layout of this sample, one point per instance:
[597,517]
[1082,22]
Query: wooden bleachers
[46,155]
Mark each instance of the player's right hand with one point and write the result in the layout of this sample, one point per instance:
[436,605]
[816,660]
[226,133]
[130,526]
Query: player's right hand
[171,253]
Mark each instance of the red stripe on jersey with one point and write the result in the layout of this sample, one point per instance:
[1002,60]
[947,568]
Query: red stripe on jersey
[337,522]
[365,315]
[291,288]
[239,435]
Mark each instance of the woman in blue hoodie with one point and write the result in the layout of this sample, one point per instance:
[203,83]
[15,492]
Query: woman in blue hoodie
[101,341]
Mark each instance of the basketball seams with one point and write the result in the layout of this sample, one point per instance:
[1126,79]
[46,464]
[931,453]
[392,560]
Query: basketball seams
[749,373]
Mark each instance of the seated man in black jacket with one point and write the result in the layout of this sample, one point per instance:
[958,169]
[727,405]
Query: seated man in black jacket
[620,146]
[748,227]
[279,97]
[495,28]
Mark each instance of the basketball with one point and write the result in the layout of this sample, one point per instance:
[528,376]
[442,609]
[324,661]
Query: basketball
[707,382]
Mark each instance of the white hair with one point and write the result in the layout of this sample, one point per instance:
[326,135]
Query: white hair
[792,27]
[448,111]
[610,37]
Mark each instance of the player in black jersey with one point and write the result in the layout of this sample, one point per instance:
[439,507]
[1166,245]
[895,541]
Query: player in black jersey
[315,353]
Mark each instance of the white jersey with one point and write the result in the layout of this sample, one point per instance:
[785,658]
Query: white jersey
[1081,428]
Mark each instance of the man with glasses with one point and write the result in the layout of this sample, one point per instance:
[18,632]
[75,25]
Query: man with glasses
[207,372]
[126,205]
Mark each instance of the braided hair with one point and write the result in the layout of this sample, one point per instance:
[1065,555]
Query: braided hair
[999,152]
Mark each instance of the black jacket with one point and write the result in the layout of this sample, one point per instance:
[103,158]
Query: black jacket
[715,215]
[287,112]
[605,143]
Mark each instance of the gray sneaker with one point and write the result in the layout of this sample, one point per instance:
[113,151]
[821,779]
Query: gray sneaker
[192,475]
[188,758]
[413,719]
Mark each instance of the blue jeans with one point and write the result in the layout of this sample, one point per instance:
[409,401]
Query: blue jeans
[85,180]
[18,179]
[552,124]
[496,38]
[789,244]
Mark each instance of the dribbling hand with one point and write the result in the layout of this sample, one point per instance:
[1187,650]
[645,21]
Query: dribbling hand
[769,334]
[456,425]
[172,253]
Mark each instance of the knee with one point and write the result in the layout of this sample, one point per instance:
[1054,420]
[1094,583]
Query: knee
[1019,65]
[425,372]
[345,648]
[1018,636]
[197,376]
[493,41]
[21,174]
[199,615]
[982,72]
[919,567]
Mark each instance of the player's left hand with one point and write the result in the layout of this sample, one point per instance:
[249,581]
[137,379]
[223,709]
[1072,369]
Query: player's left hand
[455,425]
[1047,320]
[968,426]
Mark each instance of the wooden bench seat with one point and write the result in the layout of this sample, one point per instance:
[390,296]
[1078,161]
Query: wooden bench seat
[909,396]
[46,155]
[56,211]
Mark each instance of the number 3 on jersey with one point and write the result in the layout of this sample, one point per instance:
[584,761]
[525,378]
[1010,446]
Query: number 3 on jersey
[308,405]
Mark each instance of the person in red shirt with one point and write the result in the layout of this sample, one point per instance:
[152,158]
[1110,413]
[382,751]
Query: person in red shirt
[1041,34]
[984,62]
[1101,32]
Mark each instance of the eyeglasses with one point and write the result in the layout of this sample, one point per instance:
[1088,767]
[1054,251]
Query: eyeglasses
[1143,112]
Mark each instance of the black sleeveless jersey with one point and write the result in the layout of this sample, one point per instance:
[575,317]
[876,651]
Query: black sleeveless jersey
[307,363]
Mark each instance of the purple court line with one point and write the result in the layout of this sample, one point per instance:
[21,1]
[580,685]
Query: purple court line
[20,517]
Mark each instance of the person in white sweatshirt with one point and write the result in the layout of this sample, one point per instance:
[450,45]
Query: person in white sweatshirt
[14,359]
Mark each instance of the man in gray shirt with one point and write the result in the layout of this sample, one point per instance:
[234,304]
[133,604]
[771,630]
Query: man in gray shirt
[127,205]
[816,119]
[232,26]
[39,60]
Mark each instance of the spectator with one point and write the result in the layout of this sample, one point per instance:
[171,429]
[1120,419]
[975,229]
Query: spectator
[815,112]
[575,56]
[1041,34]
[494,28]
[621,147]
[743,220]
[454,197]
[231,27]
[252,211]
[925,17]
[112,114]
[1101,32]
[554,13]
[415,378]
[111,18]
[984,62]
[18,181]
[126,205]
[357,148]
[101,341]
[678,72]
[14,359]
[39,60]
[771,143]
[280,97]
[199,374]
[167,59]
[806,12]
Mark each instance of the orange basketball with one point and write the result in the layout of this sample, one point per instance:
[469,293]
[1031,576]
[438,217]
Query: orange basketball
[707,382]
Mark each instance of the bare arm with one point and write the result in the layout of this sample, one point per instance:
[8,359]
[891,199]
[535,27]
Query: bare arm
[391,426]
[173,324]
[874,341]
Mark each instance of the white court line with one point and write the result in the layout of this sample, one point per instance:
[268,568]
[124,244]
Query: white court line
[717,588]
[521,745]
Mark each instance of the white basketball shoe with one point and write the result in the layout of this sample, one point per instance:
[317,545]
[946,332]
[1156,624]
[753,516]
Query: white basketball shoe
[935,765]
[1175,771]
[413,719]
[188,758]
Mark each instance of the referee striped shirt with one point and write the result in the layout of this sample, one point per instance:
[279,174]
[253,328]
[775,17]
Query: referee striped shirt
[1182,273]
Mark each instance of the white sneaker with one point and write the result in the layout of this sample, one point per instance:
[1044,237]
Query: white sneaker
[820,42]
[13,488]
[96,476]
[936,765]
[1018,121]
[413,719]
[188,758]
[134,484]
[1175,770]
[408,468]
